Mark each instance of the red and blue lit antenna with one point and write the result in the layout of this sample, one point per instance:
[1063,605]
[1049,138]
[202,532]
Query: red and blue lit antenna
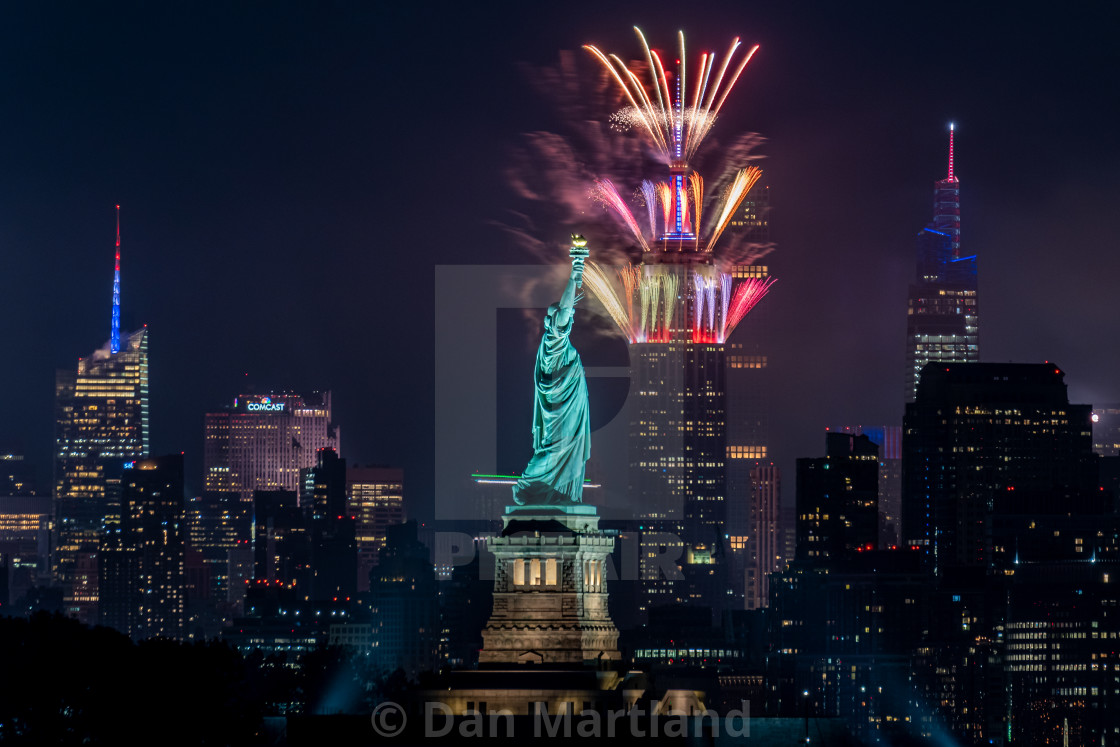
[115,335]
[951,128]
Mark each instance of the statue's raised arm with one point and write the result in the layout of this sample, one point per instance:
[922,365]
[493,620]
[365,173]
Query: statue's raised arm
[561,421]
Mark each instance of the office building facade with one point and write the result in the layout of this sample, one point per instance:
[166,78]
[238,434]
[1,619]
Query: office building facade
[678,452]
[766,547]
[889,440]
[262,441]
[985,440]
[101,422]
[375,497]
[143,574]
[837,499]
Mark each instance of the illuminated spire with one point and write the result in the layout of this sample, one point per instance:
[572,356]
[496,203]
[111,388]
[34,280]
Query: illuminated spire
[951,178]
[115,335]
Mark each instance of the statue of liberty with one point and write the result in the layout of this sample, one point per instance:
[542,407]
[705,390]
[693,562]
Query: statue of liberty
[561,421]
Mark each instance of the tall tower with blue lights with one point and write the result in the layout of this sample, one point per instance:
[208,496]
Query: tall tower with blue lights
[101,422]
[942,315]
[115,331]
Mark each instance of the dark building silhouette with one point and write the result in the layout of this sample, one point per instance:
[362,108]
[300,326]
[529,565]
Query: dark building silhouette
[405,604]
[218,529]
[985,440]
[281,542]
[889,440]
[142,569]
[283,625]
[466,600]
[5,585]
[842,633]
[334,554]
[17,476]
[837,499]
[958,668]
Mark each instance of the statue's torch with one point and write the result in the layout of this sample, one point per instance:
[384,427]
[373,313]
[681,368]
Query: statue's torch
[579,253]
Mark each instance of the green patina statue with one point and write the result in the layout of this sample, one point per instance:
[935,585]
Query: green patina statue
[561,421]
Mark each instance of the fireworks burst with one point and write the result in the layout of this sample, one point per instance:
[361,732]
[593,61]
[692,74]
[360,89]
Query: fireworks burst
[665,197]
[649,196]
[749,293]
[742,184]
[644,304]
[675,125]
[684,290]
[629,276]
[696,187]
[597,281]
[610,196]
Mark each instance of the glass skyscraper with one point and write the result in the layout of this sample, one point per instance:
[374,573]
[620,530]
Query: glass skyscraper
[942,315]
[101,422]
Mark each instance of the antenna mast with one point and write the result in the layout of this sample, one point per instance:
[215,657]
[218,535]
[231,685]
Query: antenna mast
[951,177]
[115,334]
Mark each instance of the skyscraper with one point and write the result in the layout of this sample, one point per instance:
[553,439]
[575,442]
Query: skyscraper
[942,322]
[837,499]
[678,308]
[218,530]
[25,522]
[1060,631]
[985,440]
[748,434]
[101,422]
[405,605]
[143,569]
[889,440]
[678,451]
[698,423]
[281,542]
[766,545]
[262,441]
[375,498]
[334,556]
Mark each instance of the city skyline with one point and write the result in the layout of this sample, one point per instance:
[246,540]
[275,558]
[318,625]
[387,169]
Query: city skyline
[849,188]
[353,218]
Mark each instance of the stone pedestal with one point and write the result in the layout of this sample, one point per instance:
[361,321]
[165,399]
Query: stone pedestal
[550,589]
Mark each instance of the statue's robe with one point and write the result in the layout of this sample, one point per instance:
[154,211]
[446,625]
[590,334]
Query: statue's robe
[561,421]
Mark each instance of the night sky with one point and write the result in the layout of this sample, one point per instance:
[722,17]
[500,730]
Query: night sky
[290,176]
